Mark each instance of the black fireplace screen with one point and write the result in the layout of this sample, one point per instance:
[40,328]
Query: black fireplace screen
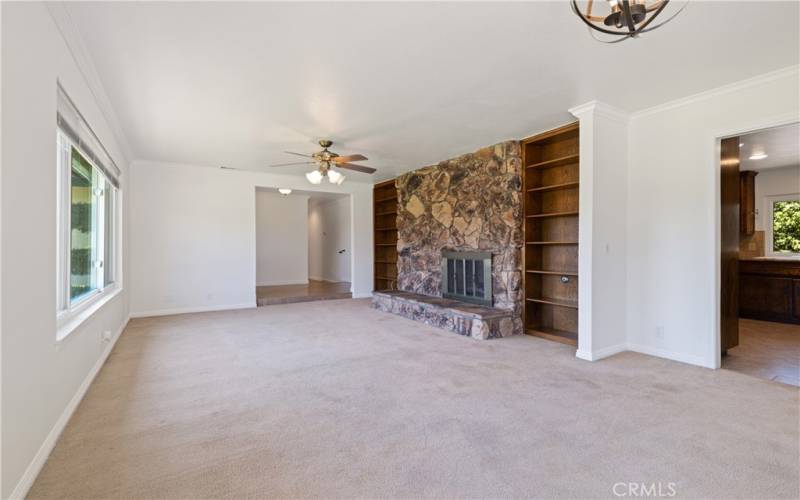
[467,276]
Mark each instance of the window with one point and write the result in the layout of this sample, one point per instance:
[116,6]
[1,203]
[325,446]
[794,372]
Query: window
[88,215]
[88,207]
[783,231]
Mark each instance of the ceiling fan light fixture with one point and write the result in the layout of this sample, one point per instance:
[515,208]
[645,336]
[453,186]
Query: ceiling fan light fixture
[335,177]
[314,177]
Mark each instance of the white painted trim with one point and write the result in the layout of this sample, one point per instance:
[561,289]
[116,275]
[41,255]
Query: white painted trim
[283,282]
[600,108]
[189,310]
[362,295]
[72,38]
[68,321]
[33,469]
[601,353]
[717,91]
[674,356]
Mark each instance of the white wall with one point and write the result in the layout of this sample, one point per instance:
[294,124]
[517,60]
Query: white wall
[281,238]
[329,233]
[772,182]
[193,239]
[42,379]
[673,215]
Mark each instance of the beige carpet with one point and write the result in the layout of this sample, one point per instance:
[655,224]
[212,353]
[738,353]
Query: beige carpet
[333,399]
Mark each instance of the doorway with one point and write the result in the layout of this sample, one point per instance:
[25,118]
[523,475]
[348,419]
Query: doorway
[760,253]
[303,249]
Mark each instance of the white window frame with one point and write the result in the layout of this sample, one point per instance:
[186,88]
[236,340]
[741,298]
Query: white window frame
[70,314]
[769,202]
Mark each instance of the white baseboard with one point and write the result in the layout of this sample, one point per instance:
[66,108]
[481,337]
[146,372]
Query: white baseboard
[33,469]
[283,282]
[367,295]
[650,351]
[674,356]
[188,310]
[601,353]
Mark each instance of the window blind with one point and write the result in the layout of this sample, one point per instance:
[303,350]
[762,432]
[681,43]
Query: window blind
[75,127]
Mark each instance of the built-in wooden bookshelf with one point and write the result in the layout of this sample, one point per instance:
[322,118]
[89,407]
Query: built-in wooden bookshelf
[551,183]
[384,224]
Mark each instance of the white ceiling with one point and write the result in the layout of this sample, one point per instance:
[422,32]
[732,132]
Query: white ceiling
[405,84]
[781,144]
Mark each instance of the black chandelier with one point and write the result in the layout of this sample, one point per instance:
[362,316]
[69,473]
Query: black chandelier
[627,18]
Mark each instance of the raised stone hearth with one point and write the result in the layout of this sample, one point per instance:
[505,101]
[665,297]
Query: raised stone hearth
[464,319]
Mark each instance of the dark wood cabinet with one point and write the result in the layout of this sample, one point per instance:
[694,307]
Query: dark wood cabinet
[747,202]
[765,297]
[796,304]
[770,290]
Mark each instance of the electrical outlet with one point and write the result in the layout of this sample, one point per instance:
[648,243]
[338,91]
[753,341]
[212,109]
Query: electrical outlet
[106,336]
[660,332]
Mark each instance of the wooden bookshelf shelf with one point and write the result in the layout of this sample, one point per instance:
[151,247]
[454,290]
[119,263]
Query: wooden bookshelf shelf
[554,187]
[551,242]
[569,213]
[563,336]
[554,302]
[384,206]
[556,162]
[551,273]
[551,181]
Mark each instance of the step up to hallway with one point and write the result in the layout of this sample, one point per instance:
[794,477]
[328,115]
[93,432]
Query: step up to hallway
[313,291]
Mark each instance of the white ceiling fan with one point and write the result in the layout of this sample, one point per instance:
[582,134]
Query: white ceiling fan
[326,161]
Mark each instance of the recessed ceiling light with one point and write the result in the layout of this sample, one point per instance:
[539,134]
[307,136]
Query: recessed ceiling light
[758,156]
[285,191]
[741,144]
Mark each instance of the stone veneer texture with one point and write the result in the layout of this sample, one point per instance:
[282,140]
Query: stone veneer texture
[472,202]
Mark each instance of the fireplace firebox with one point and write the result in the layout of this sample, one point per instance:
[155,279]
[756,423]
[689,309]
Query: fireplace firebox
[467,276]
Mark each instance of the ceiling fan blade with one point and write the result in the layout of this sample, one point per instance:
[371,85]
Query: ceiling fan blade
[297,154]
[349,158]
[357,168]
[294,163]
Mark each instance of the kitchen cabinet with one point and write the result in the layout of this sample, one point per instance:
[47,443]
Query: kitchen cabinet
[769,289]
[747,202]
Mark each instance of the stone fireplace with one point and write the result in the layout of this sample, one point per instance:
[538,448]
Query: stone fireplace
[471,203]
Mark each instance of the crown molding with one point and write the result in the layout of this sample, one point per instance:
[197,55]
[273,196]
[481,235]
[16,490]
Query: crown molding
[601,109]
[718,91]
[72,38]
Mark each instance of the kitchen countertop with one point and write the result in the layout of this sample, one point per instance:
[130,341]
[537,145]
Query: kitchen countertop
[785,260]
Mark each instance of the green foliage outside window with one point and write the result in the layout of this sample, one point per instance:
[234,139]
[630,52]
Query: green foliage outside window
[82,233]
[786,226]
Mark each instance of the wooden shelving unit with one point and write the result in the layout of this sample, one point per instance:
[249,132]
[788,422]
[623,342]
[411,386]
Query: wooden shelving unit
[551,182]
[384,223]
